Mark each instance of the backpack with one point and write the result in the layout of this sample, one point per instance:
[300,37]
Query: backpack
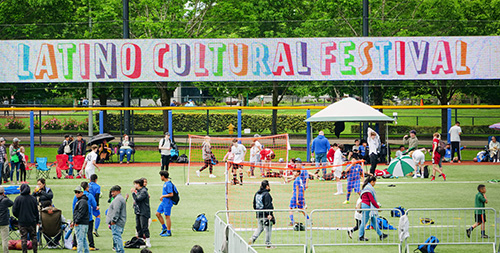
[176,197]
[426,171]
[214,159]
[60,150]
[382,224]
[6,172]
[174,154]
[398,211]
[430,247]
[441,148]
[134,243]
[182,159]
[201,223]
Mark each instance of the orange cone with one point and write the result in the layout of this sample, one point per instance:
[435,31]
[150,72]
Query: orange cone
[421,103]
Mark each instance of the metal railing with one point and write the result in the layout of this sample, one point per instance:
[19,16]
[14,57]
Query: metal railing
[227,240]
[449,226]
[283,234]
[332,227]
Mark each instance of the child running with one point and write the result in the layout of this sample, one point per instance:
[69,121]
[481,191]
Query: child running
[480,215]
[95,190]
[354,173]
[297,201]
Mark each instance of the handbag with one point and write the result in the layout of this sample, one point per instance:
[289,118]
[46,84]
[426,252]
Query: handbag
[14,158]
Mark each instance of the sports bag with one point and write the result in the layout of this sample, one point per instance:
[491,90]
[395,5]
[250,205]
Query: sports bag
[182,159]
[201,223]
[428,248]
[214,159]
[134,243]
[398,211]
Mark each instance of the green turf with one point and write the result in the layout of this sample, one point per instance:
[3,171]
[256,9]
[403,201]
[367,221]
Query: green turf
[458,191]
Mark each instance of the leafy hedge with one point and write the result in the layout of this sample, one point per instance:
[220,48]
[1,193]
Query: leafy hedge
[196,122]
[397,129]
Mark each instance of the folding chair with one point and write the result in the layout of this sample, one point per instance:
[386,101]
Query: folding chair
[42,169]
[52,228]
[77,162]
[14,229]
[61,164]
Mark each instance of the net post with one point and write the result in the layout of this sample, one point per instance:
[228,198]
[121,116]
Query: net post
[239,124]
[101,122]
[170,129]
[32,136]
[189,160]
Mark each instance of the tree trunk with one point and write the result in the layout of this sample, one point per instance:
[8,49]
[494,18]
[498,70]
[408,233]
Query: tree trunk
[166,95]
[274,127]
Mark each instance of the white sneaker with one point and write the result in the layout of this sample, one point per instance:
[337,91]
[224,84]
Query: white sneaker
[198,173]
[338,193]
[415,176]
[212,176]
[148,243]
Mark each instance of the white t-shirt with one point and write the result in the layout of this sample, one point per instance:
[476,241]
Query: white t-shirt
[254,151]
[455,133]
[418,157]
[239,153]
[92,156]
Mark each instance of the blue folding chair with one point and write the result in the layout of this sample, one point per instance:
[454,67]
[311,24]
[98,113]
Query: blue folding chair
[42,169]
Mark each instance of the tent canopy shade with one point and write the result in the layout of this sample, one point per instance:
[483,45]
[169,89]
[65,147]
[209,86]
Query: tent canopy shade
[350,110]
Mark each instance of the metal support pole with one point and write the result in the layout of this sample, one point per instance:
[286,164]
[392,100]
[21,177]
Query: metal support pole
[448,125]
[32,137]
[40,126]
[208,122]
[126,86]
[308,134]
[366,92]
[170,128]
[91,113]
[239,123]
[101,122]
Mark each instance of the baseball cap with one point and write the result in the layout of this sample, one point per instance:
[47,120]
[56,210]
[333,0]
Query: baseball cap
[256,135]
[16,140]
[78,189]
[2,190]
[298,160]
[115,188]
[413,132]
[2,139]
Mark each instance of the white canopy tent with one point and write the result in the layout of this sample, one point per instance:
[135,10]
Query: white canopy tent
[351,110]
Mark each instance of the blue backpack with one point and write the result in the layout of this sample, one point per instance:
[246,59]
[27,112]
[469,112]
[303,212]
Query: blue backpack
[383,224]
[201,223]
[428,248]
[398,211]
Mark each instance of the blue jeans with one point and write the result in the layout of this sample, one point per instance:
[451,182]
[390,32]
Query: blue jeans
[14,166]
[81,238]
[124,152]
[364,221]
[321,159]
[70,159]
[1,173]
[117,232]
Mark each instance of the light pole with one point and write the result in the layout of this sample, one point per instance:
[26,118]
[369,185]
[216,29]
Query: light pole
[366,92]
[126,85]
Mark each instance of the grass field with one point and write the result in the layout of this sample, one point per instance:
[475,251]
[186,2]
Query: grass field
[458,191]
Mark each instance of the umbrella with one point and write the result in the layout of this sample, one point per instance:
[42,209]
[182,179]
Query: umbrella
[401,166]
[495,126]
[98,139]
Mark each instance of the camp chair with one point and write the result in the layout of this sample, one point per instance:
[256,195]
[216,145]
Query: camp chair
[52,228]
[77,162]
[61,164]
[29,166]
[42,169]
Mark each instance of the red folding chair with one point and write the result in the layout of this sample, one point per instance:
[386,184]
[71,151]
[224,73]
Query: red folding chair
[62,164]
[30,166]
[78,161]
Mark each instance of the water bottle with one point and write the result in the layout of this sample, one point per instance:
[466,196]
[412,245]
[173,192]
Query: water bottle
[68,234]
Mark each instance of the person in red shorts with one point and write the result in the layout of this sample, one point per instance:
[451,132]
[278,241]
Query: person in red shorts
[436,157]
[266,155]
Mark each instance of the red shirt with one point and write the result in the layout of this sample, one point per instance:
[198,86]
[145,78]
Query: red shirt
[330,155]
[265,154]
[367,198]
[435,144]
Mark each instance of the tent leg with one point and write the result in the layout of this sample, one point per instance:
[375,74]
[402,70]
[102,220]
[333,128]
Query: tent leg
[387,143]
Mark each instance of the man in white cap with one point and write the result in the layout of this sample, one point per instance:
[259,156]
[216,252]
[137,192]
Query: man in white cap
[5,203]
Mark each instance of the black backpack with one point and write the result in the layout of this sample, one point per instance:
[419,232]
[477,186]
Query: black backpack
[441,148]
[134,243]
[426,171]
[182,159]
[176,197]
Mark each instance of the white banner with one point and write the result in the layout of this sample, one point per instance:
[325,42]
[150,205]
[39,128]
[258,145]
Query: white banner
[280,59]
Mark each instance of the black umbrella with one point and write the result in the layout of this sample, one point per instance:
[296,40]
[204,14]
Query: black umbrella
[98,139]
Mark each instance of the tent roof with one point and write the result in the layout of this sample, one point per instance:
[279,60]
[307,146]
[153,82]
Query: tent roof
[349,109]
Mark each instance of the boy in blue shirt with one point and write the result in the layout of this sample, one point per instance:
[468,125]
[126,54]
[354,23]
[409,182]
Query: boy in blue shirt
[95,190]
[166,204]
[354,173]
[297,201]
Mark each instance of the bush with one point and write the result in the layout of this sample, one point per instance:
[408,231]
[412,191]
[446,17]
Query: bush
[52,124]
[13,123]
[71,124]
[197,122]
[399,129]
